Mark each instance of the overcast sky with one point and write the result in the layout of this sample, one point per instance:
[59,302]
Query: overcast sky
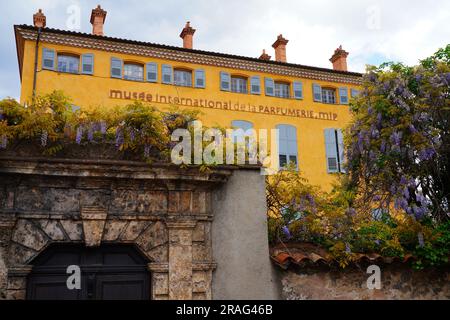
[372,31]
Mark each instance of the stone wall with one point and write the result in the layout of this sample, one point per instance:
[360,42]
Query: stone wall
[398,281]
[167,212]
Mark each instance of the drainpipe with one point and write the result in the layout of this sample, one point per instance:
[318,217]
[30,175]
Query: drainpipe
[36,54]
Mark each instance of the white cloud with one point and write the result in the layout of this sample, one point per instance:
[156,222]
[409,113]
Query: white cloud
[370,30]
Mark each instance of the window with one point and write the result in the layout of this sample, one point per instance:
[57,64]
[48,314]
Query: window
[182,78]
[328,95]
[116,68]
[133,71]
[152,72]
[298,89]
[167,73]
[199,78]
[255,85]
[270,86]
[334,148]
[282,90]
[317,92]
[225,79]
[239,84]
[343,95]
[87,64]
[239,136]
[287,145]
[354,93]
[48,59]
[68,63]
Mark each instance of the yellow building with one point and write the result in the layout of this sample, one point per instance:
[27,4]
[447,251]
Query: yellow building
[308,104]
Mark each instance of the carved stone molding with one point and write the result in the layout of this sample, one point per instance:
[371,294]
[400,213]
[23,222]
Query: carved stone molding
[182,224]
[94,219]
[204,266]
[158,267]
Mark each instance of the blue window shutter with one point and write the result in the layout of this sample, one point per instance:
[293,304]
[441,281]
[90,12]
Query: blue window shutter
[354,93]
[298,90]
[340,144]
[287,145]
[48,59]
[255,85]
[225,81]
[317,92]
[343,95]
[152,72]
[270,87]
[87,63]
[330,150]
[116,68]
[199,78]
[167,74]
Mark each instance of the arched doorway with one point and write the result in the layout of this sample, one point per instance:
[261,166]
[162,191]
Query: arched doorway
[109,272]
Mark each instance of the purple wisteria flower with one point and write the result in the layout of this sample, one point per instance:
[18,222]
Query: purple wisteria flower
[426,154]
[286,232]
[132,134]
[419,212]
[350,212]
[396,138]
[91,132]
[44,138]
[119,137]
[147,149]
[103,127]
[383,146]
[348,250]
[420,239]
[3,142]
[412,128]
[79,135]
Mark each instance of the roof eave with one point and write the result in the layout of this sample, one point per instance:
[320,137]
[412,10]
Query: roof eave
[210,53]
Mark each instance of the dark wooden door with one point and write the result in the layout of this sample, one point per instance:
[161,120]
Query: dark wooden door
[108,272]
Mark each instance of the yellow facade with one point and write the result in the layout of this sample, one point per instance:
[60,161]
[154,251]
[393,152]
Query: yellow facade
[89,91]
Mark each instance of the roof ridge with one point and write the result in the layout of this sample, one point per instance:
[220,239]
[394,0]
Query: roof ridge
[197,51]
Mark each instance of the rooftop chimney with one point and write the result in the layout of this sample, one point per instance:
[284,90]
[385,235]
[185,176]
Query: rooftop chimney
[339,59]
[187,34]
[98,17]
[280,49]
[264,56]
[39,19]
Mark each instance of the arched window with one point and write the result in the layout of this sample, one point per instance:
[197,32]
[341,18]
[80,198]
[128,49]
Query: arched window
[68,63]
[133,71]
[239,136]
[287,145]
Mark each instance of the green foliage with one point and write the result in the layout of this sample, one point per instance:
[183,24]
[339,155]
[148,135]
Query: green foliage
[398,155]
[436,250]
[398,146]
[51,123]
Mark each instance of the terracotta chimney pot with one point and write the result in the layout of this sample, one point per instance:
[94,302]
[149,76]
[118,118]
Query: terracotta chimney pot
[187,34]
[39,19]
[98,17]
[339,59]
[264,56]
[280,48]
